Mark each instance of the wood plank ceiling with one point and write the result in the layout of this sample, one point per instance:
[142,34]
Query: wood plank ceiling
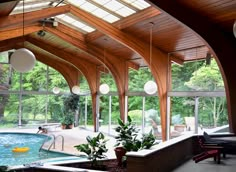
[168,35]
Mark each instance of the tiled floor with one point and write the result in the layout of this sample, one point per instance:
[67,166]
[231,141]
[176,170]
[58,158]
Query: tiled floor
[227,164]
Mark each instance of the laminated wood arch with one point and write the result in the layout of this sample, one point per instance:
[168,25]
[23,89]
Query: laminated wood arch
[221,43]
[116,66]
[68,71]
[159,70]
[89,70]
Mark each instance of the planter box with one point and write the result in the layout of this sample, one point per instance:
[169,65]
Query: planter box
[180,128]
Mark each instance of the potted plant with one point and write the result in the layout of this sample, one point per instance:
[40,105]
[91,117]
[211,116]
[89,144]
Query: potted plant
[67,121]
[148,140]
[127,139]
[70,110]
[94,149]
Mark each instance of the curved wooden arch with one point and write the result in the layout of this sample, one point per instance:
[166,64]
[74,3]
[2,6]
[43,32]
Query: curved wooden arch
[89,70]
[116,66]
[69,72]
[159,64]
[222,44]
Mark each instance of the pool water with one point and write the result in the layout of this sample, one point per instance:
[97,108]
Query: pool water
[8,141]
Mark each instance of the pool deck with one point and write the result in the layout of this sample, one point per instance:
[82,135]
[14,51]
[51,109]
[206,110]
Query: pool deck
[71,137]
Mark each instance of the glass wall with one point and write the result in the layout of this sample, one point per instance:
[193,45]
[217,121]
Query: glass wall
[143,108]
[197,98]
[27,99]
[109,110]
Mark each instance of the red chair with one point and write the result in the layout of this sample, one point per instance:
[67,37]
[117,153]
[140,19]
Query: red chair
[208,151]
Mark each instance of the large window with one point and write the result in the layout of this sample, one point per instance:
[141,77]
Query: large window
[197,100]
[27,98]
[143,108]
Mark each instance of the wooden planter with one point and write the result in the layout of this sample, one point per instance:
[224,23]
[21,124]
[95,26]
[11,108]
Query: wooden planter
[120,152]
[63,126]
[179,127]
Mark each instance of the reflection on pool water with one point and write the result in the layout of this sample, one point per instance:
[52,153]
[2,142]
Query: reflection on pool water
[8,141]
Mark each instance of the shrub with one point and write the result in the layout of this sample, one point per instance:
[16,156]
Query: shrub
[95,148]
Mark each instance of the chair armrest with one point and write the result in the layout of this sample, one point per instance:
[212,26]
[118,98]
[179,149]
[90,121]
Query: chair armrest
[210,144]
[213,147]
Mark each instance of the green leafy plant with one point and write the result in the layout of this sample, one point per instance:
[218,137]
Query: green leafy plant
[67,120]
[71,103]
[128,137]
[148,140]
[95,148]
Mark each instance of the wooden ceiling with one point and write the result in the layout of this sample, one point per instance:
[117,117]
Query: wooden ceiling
[168,35]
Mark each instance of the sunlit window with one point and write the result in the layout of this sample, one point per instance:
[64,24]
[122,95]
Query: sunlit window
[108,10]
[140,4]
[76,23]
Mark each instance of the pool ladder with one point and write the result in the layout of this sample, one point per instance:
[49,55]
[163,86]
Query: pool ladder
[53,142]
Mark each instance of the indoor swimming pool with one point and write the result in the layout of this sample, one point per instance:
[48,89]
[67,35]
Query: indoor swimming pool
[32,143]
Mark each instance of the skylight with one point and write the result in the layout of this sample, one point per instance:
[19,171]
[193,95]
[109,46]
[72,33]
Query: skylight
[108,10]
[30,6]
[140,4]
[75,22]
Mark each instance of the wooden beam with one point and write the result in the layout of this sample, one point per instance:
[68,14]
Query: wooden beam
[126,22]
[159,60]
[116,65]
[77,39]
[88,69]
[70,31]
[67,37]
[220,42]
[132,65]
[19,32]
[10,43]
[17,19]
[91,50]
[70,73]
[6,7]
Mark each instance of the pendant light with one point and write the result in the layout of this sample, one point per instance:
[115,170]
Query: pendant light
[22,60]
[56,90]
[75,89]
[104,88]
[150,87]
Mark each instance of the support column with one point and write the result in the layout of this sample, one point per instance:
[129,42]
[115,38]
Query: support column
[196,115]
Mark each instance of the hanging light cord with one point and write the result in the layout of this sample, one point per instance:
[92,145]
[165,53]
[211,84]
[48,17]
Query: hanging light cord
[23,17]
[150,60]
[104,59]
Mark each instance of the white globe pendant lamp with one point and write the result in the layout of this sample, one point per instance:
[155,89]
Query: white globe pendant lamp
[56,90]
[104,89]
[22,60]
[150,87]
[75,89]
[234,29]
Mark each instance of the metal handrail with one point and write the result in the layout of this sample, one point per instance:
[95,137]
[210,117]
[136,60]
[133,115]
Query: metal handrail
[46,139]
[53,143]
